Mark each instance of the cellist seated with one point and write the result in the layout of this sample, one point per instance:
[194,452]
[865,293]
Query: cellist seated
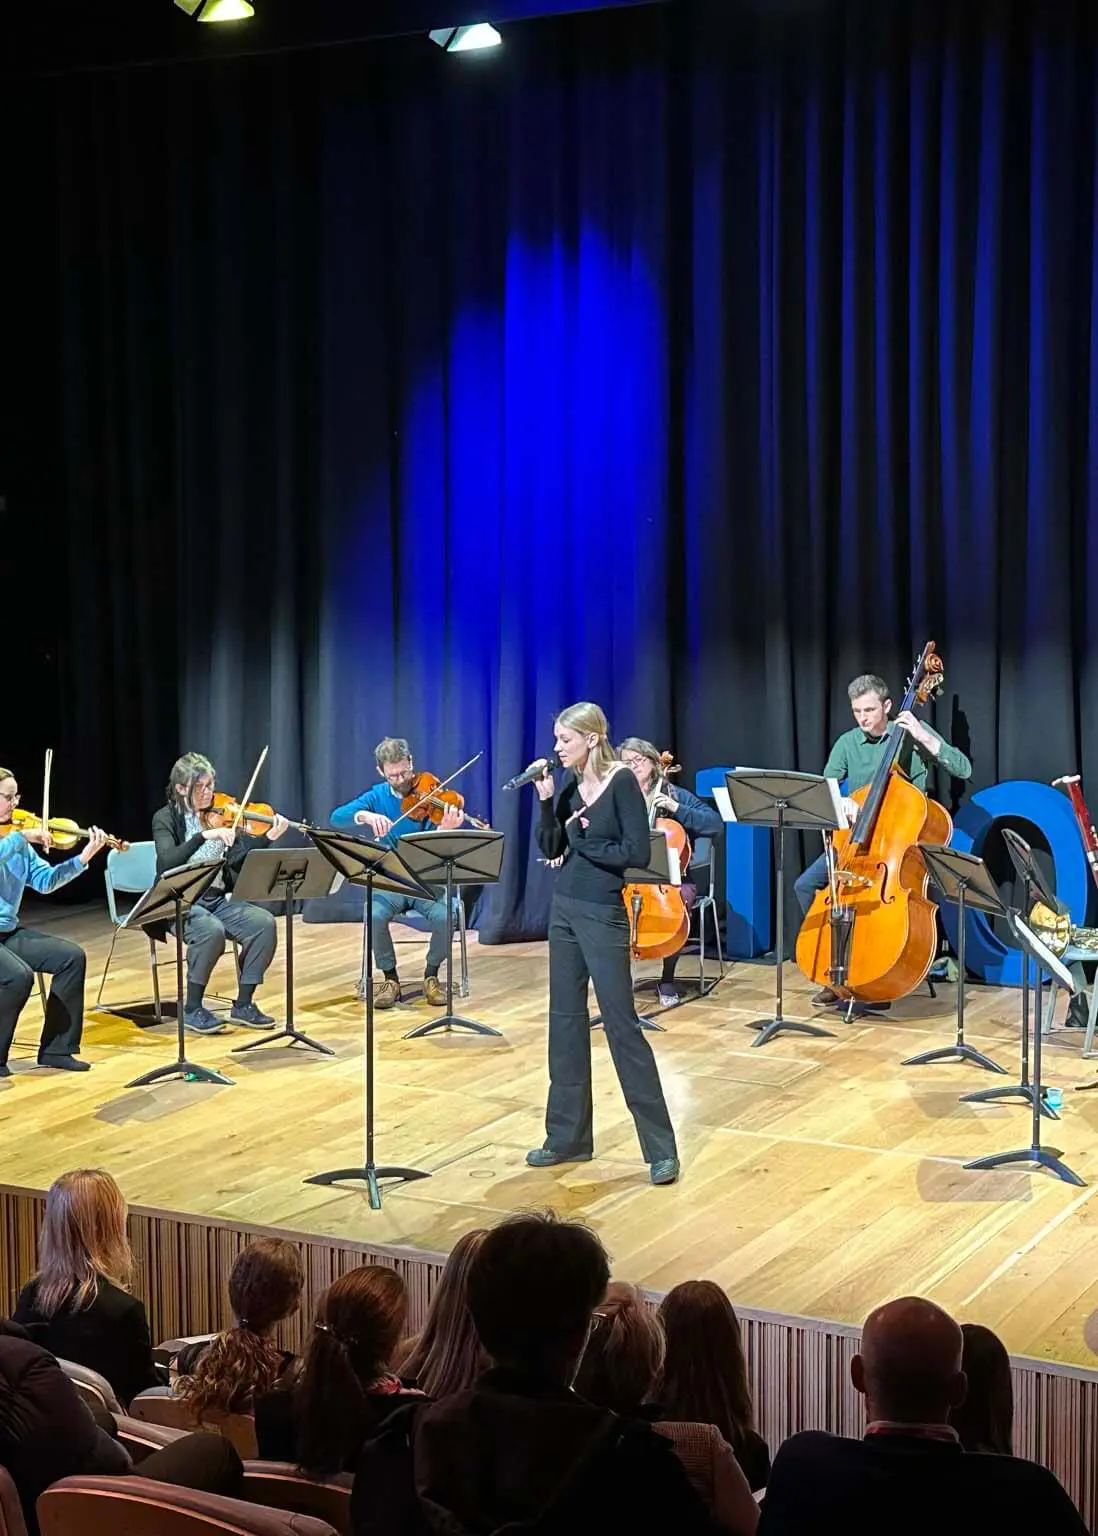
[665,799]
[854,757]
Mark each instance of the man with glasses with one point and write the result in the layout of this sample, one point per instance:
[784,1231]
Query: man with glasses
[378,810]
[23,951]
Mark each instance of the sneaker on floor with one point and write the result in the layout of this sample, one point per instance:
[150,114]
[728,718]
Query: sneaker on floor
[202,1021]
[668,994]
[64,1063]
[386,993]
[5,1070]
[434,992]
[250,1016]
[825,998]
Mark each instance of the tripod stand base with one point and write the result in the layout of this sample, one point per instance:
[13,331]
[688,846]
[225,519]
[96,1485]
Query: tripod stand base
[1023,1091]
[448,1022]
[957,1052]
[1042,1157]
[369,1175]
[293,1036]
[768,1029]
[189,1071]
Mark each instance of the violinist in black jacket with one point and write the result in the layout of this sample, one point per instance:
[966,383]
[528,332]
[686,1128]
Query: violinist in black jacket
[181,837]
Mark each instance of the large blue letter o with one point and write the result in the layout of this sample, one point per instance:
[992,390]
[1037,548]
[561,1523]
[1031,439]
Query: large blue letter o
[986,954]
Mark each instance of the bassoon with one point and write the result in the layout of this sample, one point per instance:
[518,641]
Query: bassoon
[1072,783]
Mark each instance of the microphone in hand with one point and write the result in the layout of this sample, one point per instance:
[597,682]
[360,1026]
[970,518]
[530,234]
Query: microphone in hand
[536,770]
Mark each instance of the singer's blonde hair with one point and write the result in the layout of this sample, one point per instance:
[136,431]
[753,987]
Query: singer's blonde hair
[589,720]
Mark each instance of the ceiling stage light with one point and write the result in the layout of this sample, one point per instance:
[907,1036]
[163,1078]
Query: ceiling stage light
[218,10]
[470,39]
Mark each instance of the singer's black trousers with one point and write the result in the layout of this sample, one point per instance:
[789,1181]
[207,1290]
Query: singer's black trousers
[590,939]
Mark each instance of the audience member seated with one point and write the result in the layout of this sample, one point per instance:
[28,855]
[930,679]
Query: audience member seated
[48,1432]
[985,1420]
[520,1445]
[909,1475]
[705,1372]
[225,1374]
[78,1306]
[447,1357]
[324,1410]
[621,1365]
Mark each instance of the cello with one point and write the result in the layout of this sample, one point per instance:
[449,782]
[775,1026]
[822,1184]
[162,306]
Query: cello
[871,932]
[658,920]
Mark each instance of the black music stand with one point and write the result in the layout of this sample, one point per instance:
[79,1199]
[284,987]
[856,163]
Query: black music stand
[287,875]
[452,859]
[965,879]
[1033,881]
[1044,1157]
[366,863]
[168,901]
[656,872]
[800,802]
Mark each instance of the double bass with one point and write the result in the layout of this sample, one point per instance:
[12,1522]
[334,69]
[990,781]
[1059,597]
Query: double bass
[658,920]
[871,932]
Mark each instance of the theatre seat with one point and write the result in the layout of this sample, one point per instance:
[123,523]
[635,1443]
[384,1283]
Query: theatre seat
[160,1406]
[11,1511]
[280,1485]
[138,1506]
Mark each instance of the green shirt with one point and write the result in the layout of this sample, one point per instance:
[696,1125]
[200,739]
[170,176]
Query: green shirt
[855,756]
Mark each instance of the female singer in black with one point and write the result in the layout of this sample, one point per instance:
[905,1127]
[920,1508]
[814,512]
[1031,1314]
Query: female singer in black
[599,825]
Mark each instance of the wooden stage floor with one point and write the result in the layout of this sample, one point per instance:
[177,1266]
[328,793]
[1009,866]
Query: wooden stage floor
[819,1176]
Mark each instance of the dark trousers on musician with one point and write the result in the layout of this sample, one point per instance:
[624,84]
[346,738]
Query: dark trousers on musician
[591,940]
[23,952]
[814,879]
[205,927]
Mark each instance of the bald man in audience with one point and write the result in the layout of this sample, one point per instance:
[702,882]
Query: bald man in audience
[909,1474]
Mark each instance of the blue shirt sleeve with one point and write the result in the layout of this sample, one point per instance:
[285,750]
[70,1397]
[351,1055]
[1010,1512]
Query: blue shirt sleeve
[44,878]
[343,817]
[697,817]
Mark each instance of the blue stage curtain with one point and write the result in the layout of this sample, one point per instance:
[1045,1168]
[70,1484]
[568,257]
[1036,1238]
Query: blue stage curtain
[691,360]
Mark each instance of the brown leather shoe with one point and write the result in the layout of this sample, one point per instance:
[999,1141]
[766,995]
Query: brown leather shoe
[434,992]
[386,993]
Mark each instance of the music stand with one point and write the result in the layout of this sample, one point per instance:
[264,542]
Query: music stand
[168,901]
[287,875]
[656,872]
[366,863]
[800,802]
[1027,870]
[452,859]
[1044,1157]
[965,879]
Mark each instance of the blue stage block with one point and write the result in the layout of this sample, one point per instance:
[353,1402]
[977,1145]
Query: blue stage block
[747,883]
[995,959]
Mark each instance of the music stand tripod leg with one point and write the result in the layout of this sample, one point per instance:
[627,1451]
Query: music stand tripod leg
[960,1050]
[190,1071]
[1023,1088]
[450,1020]
[289,1031]
[768,1029]
[369,1173]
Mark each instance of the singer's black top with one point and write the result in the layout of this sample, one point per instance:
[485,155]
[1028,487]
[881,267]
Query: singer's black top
[615,839]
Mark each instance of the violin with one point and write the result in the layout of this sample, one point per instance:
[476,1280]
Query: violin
[658,920]
[254,817]
[63,832]
[427,800]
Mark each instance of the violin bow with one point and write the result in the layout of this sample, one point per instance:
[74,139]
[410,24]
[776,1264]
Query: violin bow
[46,777]
[423,798]
[247,795]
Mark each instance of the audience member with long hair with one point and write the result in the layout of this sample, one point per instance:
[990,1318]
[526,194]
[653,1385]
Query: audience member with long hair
[239,1365]
[985,1420]
[78,1305]
[620,1366]
[705,1373]
[343,1390]
[447,1356]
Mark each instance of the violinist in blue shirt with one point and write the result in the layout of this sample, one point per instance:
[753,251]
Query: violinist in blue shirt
[378,811]
[23,951]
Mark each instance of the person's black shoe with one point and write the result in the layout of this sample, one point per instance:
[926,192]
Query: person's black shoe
[825,998]
[65,1063]
[543,1157]
[5,1070]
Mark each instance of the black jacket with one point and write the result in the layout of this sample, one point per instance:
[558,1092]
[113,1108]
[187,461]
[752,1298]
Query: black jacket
[110,1336]
[277,1420]
[909,1486]
[46,1431]
[174,847]
[513,1446]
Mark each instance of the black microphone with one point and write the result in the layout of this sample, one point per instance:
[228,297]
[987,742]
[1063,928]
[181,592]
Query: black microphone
[535,771]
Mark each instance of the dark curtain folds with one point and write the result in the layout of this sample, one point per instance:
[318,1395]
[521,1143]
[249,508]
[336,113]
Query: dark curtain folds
[691,360]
